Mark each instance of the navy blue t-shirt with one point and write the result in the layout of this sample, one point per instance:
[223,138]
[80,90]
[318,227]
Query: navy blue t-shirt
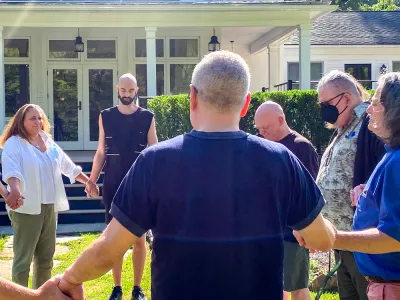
[218,205]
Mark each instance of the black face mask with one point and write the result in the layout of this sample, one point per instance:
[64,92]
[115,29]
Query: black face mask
[330,113]
[127,100]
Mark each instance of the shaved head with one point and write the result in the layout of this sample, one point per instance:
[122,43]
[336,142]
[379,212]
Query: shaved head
[270,107]
[270,121]
[128,77]
[127,89]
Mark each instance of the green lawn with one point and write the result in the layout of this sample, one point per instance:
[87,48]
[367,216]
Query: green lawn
[3,240]
[100,289]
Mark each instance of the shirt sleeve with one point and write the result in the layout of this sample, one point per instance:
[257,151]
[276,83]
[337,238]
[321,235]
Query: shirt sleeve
[309,158]
[11,161]
[306,201]
[67,167]
[133,205]
[389,211]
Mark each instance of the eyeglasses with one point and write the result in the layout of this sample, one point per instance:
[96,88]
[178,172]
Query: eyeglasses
[326,103]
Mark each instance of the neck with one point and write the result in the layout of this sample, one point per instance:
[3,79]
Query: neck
[127,109]
[33,137]
[213,122]
[285,132]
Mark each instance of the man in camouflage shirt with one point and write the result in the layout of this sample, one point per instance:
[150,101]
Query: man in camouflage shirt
[352,154]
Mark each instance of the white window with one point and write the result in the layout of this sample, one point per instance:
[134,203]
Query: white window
[396,66]
[17,74]
[294,73]
[62,49]
[176,59]
[101,49]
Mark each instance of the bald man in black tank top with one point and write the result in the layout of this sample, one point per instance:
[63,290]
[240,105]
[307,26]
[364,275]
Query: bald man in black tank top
[124,131]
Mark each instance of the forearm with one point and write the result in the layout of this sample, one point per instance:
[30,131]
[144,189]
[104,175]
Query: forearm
[14,183]
[94,262]
[3,190]
[98,163]
[12,291]
[371,241]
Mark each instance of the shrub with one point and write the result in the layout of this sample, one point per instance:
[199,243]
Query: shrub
[300,107]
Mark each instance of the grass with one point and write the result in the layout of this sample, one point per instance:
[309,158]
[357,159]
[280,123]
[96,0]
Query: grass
[100,288]
[3,240]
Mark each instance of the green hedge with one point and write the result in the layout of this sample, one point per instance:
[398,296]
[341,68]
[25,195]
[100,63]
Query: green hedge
[302,114]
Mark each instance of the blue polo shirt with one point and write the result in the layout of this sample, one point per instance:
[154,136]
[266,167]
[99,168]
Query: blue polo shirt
[379,207]
[218,205]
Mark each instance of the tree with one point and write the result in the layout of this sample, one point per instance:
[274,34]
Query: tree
[382,5]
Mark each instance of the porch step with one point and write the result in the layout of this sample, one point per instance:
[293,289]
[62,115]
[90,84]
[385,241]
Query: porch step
[82,209]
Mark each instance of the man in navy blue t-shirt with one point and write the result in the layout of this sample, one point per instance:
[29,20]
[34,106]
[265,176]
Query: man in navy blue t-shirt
[218,201]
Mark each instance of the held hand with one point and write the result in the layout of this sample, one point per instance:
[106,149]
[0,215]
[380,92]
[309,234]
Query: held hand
[71,290]
[355,194]
[92,189]
[14,199]
[302,242]
[50,290]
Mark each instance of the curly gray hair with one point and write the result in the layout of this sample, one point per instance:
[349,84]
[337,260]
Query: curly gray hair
[390,99]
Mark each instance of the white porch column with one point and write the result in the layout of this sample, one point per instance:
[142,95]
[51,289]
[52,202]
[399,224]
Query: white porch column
[305,56]
[2,83]
[151,61]
[274,66]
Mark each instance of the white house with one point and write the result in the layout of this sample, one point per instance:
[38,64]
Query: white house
[158,41]
[362,43]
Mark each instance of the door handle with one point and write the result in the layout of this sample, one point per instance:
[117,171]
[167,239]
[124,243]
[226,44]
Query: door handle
[80,105]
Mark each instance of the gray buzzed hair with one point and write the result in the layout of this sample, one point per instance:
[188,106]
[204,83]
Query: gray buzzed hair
[342,82]
[222,80]
[390,99]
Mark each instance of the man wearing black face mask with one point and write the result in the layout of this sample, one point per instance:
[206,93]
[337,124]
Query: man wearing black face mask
[124,131]
[347,162]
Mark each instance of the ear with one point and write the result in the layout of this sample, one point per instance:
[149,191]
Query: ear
[193,98]
[117,88]
[280,118]
[245,107]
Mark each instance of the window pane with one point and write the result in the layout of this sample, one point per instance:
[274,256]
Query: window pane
[17,87]
[141,77]
[181,75]
[101,49]
[141,48]
[101,88]
[62,49]
[396,66]
[316,74]
[361,72]
[293,71]
[183,48]
[16,48]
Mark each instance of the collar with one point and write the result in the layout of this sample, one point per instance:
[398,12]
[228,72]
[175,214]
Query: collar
[360,109]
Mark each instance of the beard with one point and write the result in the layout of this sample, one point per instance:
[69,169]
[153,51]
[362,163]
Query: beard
[125,100]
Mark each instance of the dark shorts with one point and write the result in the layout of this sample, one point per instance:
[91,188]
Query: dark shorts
[108,216]
[296,267]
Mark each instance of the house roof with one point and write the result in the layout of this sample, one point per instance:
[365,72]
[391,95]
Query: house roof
[354,28]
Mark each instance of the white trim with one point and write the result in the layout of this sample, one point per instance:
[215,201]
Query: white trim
[342,46]
[24,59]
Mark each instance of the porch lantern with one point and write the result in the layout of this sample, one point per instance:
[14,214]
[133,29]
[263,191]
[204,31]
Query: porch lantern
[383,69]
[79,45]
[214,45]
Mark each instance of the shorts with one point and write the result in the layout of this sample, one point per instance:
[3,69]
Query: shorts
[296,267]
[383,291]
[108,216]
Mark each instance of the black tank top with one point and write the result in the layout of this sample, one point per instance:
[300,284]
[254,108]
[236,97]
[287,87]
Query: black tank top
[125,138]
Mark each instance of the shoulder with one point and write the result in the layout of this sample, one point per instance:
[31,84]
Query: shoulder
[303,143]
[108,110]
[145,113]
[392,170]
[12,143]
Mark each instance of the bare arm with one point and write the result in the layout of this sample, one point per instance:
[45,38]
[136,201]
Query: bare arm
[48,291]
[319,235]
[100,156]
[152,134]
[98,258]
[370,241]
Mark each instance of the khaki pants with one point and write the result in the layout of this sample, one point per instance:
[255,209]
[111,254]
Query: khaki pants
[34,238]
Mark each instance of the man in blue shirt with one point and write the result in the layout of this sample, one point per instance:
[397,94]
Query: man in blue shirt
[217,199]
[376,236]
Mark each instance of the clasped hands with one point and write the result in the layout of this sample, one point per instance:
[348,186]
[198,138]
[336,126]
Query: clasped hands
[91,189]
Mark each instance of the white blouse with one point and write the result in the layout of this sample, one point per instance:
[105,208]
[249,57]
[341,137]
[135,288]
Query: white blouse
[47,184]
[21,160]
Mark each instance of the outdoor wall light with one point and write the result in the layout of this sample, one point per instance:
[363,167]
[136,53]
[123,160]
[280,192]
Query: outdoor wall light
[214,45]
[79,45]
[383,69]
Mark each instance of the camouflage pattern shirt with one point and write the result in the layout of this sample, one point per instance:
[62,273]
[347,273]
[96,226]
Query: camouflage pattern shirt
[335,176]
